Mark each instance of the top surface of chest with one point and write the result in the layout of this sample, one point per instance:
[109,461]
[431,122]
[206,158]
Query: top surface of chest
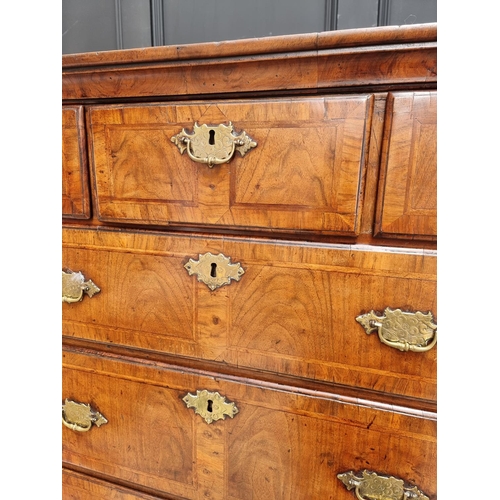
[291,63]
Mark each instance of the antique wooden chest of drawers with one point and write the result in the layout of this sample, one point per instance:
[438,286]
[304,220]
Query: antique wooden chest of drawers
[249,269]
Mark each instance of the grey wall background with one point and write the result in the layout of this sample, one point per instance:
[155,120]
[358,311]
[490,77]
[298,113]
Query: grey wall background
[98,25]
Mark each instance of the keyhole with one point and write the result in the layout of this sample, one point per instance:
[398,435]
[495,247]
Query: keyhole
[209,405]
[211,139]
[213,271]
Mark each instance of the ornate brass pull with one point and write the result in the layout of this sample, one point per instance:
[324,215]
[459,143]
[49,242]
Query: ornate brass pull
[371,486]
[74,285]
[212,145]
[210,405]
[80,416]
[405,331]
[214,270]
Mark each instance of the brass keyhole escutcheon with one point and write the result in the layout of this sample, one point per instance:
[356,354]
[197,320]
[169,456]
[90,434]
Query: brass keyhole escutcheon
[213,144]
[214,270]
[211,406]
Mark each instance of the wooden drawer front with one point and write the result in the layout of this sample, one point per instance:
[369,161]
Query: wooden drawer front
[77,486]
[304,174]
[407,204]
[292,312]
[279,445]
[147,440]
[75,182]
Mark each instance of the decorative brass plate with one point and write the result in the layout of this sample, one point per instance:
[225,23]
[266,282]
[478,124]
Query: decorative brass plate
[371,486]
[80,416]
[74,285]
[405,331]
[212,145]
[210,405]
[214,270]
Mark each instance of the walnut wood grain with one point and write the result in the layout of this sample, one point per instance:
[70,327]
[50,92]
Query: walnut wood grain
[75,176]
[78,486]
[292,312]
[319,61]
[146,441]
[305,174]
[407,202]
[261,453]
[343,393]
[330,216]
[383,35]
[373,167]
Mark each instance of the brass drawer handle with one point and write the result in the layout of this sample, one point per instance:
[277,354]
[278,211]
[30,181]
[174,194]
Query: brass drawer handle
[214,270]
[210,405]
[405,331]
[80,416]
[74,286]
[212,145]
[371,486]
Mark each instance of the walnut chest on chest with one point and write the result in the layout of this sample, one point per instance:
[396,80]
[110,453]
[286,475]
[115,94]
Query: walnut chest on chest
[249,269]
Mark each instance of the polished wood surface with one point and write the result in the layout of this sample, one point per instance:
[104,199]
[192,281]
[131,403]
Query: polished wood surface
[77,486]
[331,215]
[305,173]
[293,312]
[408,177]
[363,57]
[342,39]
[153,440]
[75,179]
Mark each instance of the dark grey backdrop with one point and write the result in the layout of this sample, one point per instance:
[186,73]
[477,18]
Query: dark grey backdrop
[97,25]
